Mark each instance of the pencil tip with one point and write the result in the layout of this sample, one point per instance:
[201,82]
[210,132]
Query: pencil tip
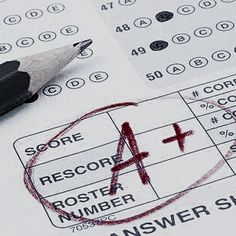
[83,45]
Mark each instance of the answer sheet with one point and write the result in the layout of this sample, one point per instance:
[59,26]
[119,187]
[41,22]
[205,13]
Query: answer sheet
[137,136]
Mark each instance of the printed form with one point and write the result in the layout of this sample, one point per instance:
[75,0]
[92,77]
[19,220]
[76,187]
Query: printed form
[137,135]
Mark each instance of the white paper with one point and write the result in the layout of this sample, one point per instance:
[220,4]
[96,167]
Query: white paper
[192,187]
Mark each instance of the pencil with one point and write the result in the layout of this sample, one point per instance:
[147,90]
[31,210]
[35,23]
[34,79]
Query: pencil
[21,79]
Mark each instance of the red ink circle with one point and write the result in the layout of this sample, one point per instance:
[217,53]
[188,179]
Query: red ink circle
[28,174]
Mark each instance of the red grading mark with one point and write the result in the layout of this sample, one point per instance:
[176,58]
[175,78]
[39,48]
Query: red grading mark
[137,159]
[179,137]
[28,174]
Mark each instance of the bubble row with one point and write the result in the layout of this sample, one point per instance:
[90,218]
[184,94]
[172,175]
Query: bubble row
[33,14]
[196,63]
[75,83]
[46,36]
